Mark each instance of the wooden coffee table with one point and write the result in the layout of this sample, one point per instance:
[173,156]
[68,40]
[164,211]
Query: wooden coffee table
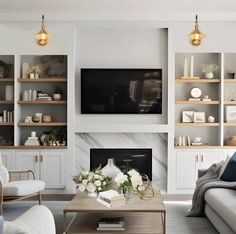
[141,216]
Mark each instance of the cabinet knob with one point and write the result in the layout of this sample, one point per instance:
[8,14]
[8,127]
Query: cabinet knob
[41,158]
[36,158]
[196,158]
[202,158]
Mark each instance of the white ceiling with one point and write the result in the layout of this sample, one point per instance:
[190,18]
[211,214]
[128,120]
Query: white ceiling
[118,9]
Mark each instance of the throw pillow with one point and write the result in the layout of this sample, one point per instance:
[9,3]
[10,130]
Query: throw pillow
[224,165]
[4,175]
[229,174]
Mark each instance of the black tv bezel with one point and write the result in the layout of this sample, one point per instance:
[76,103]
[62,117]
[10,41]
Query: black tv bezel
[116,113]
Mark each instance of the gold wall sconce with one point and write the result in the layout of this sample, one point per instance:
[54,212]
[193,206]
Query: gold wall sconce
[42,36]
[196,35]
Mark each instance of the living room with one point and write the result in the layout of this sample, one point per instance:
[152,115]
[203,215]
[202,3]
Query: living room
[111,86]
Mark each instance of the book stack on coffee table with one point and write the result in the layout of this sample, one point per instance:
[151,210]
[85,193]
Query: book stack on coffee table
[111,224]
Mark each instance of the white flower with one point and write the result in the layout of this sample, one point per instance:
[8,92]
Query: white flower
[91,187]
[136,180]
[81,187]
[101,178]
[90,176]
[104,183]
[84,181]
[97,183]
[99,188]
[84,173]
[96,177]
[121,178]
[133,172]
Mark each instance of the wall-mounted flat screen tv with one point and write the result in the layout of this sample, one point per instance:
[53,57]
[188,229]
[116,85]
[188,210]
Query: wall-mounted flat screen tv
[121,91]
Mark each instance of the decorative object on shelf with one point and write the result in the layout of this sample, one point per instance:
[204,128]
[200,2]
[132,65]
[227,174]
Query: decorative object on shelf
[111,170]
[232,72]
[34,72]
[187,116]
[42,36]
[25,69]
[9,93]
[183,141]
[231,114]
[196,93]
[43,97]
[32,140]
[209,70]
[56,136]
[39,115]
[36,119]
[28,119]
[57,95]
[197,141]
[7,116]
[92,182]
[231,141]
[5,142]
[185,67]
[47,118]
[211,119]
[185,75]
[196,35]
[4,69]
[206,98]
[128,182]
[191,65]
[199,117]
[34,95]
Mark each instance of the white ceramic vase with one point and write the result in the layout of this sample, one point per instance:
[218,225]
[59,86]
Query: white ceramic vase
[92,194]
[111,170]
[209,75]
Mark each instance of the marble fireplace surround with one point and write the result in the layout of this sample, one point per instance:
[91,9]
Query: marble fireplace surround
[156,141]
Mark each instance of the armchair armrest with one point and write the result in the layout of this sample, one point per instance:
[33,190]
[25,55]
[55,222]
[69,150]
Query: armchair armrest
[17,175]
[201,172]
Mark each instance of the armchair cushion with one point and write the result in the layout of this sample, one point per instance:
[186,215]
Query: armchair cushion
[23,187]
[16,227]
[4,174]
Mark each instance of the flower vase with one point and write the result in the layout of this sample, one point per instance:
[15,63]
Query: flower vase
[209,75]
[92,194]
[110,170]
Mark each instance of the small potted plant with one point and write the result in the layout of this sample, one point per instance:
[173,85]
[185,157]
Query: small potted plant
[209,70]
[57,95]
[34,72]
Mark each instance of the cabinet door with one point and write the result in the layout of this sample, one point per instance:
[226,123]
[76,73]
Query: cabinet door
[28,160]
[52,169]
[7,159]
[208,158]
[187,166]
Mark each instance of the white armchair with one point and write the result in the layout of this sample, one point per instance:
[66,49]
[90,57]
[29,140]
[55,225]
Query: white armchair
[37,220]
[18,185]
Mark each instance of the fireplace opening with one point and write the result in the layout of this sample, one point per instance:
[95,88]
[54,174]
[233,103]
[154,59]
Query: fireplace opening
[125,159]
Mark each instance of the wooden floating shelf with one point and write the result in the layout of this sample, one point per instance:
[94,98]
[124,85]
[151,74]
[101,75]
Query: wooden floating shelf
[32,147]
[43,80]
[198,102]
[230,80]
[230,124]
[205,147]
[6,102]
[198,124]
[6,124]
[6,80]
[23,124]
[230,102]
[43,102]
[197,81]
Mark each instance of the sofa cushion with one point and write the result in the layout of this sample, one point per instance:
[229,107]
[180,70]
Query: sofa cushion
[229,174]
[223,202]
[23,187]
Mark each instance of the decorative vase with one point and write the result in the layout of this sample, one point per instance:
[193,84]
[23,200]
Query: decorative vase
[209,75]
[57,96]
[9,93]
[110,170]
[92,194]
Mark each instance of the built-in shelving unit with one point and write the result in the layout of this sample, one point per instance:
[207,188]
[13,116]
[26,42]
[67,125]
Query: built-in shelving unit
[222,92]
[43,102]
[6,80]
[43,80]
[23,124]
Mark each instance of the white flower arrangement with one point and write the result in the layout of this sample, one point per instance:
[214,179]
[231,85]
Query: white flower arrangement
[92,181]
[131,179]
[210,68]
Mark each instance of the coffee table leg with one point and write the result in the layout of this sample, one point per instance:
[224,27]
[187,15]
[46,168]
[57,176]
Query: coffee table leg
[163,219]
[65,222]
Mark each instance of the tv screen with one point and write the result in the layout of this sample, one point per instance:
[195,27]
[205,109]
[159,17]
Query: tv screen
[121,91]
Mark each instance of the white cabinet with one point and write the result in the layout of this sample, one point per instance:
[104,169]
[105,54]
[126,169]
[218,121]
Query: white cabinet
[7,159]
[189,162]
[48,166]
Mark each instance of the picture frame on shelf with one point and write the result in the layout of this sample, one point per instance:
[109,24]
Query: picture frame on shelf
[199,117]
[230,114]
[187,116]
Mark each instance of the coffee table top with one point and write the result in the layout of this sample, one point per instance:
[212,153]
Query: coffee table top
[83,203]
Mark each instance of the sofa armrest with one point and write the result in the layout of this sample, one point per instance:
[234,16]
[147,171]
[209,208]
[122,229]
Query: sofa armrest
[19,175]
[201,172]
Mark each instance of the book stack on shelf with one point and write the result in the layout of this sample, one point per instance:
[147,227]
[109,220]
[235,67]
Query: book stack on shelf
[6,117]
[111,198]
[44,97]
[111,224]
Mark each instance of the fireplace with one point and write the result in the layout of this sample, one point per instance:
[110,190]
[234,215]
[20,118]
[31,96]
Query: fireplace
[139,159]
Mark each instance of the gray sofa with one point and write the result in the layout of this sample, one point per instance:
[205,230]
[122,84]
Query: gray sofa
[220,208]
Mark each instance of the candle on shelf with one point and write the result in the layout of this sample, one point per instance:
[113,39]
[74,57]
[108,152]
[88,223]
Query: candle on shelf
[185,67]
[191,66]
